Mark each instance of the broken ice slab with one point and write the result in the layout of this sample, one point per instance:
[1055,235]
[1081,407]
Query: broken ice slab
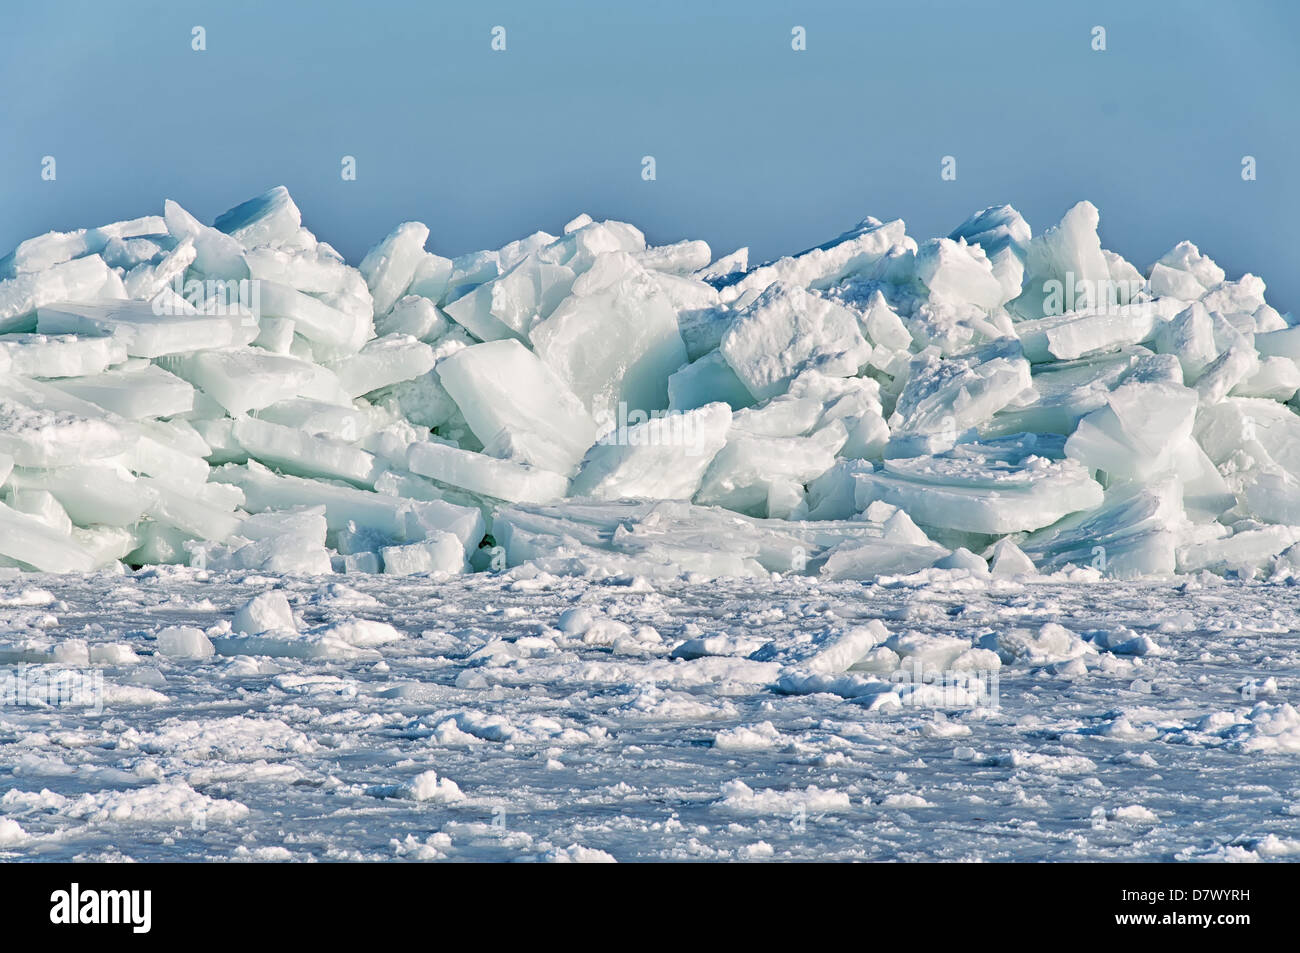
[663,458]
[995,228]
[788,330]
[416,316]
[317,271]
[147,280]
[679,258]
[509,305]
[1284,342]
[302,454]
[1135,531]
[959,272]
[135,392]
[1068,252]
[199,515]
[998,486]
[63,355]
[1243,552]
[27,540]
[702,328]
[106,494]
[614,340]
[143,330]
[350,422]
[486,476]
[882,326]
[336,332]
[40,426]
[441,552]
[728,266]
[390,265]
[431,278]
[501,386]
[83,279]
[705,381]
[1275,378]
[171,451]
[41,504]
[856,251]
[1076,334]
[218,255]
[244,379]
[666,539]
[944,398]
[394,517]
[898,547]
[271,218]
[290,541]
[1144,433]
[1260,432]
[1066,391]
[765,476]
[383,361]
[54,248]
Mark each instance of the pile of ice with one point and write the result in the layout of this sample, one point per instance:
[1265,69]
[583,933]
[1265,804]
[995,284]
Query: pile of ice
[237,397]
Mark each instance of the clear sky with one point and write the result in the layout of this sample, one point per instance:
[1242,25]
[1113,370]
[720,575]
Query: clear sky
[754,143]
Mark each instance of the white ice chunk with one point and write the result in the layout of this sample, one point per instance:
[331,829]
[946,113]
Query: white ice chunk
[513,303]
[244,379]
[681,258]
[414,315]
[507,394]
[390,266]
[707,380]
[393,517]
[27,540]
[302,454]
[744,473]
[615,339]
[1067,253]
[218,255]
[337,332]
[383,361]
[486,476]
[78,280]
[43,427]
[999,486]
[856,251]
[441,552]
[995,228]
[271,218]
[944,398]
[267,612]
[734,264]
[64,355]
[134,392]
[146,281]
[53,248]
[1189,336]
[664,457]
[1133,533]
[144,331]
[431,277]
[788,330]
[959,272]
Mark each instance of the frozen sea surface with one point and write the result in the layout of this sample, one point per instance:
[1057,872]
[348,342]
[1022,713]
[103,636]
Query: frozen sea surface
[1153,724]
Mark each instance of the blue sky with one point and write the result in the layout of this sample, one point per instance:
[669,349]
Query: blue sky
[754,143]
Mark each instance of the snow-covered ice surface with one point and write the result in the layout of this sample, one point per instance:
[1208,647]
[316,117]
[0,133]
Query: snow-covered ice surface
[527,716]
